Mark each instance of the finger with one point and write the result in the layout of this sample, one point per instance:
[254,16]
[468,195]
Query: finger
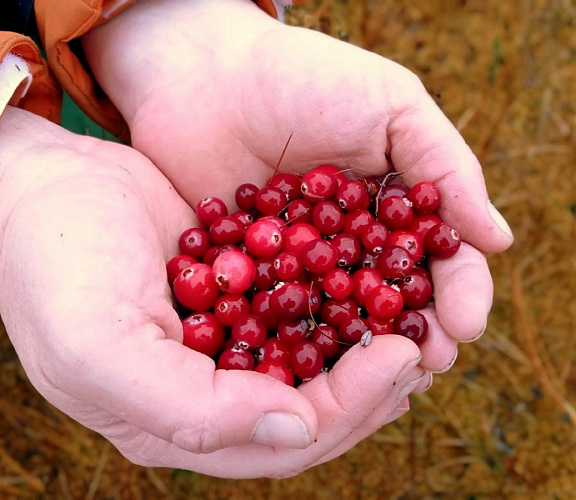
[424,145]
[463,293]
[439,350]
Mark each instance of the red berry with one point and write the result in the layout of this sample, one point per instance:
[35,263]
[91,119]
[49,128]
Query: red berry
[375,237]
[422,223]
[195,287]
[327,339]
[319,256]
[351,329]
[348,248]
[442,241]
[395,212]
[411,324]
[287,183]
[292,331]
[416,290]
[352,195]
[327,217]
[288,266]
[297,235]
[249,331]
[338,284]
[261,307]
[210,209]
[203,333]
[235,358]
[270,200]
[425,197]
[263,238]
[334,311]
[274,349]
[176,264]
[409,241]
[306,359]
[299,211]
[365,281]
[384,303]
[265,277]
[317,185]
[380,327]
[394,263]
[245,197]
[357,221]
[277,370]
[227,231]
[194,241]
[234,271]
[289,301]
[229,307]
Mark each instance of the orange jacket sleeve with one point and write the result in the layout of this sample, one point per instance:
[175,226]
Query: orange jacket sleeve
[43,95]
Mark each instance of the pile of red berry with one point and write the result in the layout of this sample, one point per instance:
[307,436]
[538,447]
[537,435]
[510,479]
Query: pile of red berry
[307,267]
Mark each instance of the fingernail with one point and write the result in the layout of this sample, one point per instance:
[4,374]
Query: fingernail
[281,429]
[408,368]
[449,365]
[499,219]
[475,338]
[410,386]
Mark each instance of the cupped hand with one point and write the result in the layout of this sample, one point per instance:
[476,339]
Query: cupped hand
[214,90]
[86,228]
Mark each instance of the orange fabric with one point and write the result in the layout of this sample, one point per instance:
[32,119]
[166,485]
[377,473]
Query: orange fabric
[44,96]
[59,23]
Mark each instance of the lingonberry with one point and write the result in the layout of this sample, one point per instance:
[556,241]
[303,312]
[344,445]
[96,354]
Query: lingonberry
[289,301]
[277,370]
[229,307]
[317,185]
[319,256]
[411,324]
[348,248]
[235,358]
[194,241]
[394,263]
[265,277]
[288,266]
[273,349]
[327,339]
[249,331]
[210,209]
[356,222]
[227,231]
[327,217]
[297,235]
[409,241]
[416,289]
[202,332]
[338,284]
[395,212]
[263,238]
[384,303]
[292,331]
[375,237]
[380,327]
[351,329]
[288,183]
[425,197]
[195,287]
[365,281]
[234,271]
[422,223]
[176,264]
[245,197]
[352,195]
[306,359]
[261,307]
[442,241]
[333,311]
[299,210]
[270,200]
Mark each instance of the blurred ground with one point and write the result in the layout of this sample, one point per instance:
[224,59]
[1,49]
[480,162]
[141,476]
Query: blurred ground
[502,422]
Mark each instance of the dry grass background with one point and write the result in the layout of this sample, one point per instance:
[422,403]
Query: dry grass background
[502,422]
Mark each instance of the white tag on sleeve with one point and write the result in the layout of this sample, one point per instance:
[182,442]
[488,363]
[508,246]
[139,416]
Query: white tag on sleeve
[15,77]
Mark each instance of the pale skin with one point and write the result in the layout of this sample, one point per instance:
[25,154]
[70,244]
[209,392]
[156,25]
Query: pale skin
[87,227]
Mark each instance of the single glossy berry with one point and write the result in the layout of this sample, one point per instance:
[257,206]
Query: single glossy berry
[277,370]
[368,260]
[297,235]
[306,359]
[327,217]
[380,327]
[356,222]
[265,277]
[203,333]
[211,254]
[338,284]
[333,171]
[317,185]
[319,256]
[229,307]
[416,289]
[395,212]
[333,312]
[409,241]
[425,197]
[245,197]
[375,237]
[246,218]
[289,184]
[263,238]
[422,223]
[273,349]
[195,287]
[270,200]
[210,209]
[235,358]
[234,271]
[442,241]
[288,266]
[195,242]
[394,263]
[384,303]
[249,331]
[226,231]
[292,331]
[176,264]
[327,339]
[348,248]
[390,190]
[365,281]
[351,329]
[352,195]
[299,210]
[411,324]
[289,301]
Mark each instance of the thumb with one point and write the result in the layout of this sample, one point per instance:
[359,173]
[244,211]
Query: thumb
[426,146]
